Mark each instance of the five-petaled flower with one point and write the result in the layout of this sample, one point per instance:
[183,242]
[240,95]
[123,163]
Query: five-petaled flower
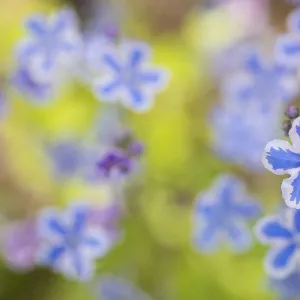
[69,243]
[265,83]
[282,233]
[221,214]
[287,48]
[128,76]
[52,43]
[230,125]
[280,157]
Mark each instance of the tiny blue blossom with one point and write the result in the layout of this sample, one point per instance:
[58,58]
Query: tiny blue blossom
[52,43]
[282,233]
[128,76]
[239,134]
[67,158]
[280,157]
[287,288]
[69,243]
[221,214]
[262,82]
[287,48]
[111,287]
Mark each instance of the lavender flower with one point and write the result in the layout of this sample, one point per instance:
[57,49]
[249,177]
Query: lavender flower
[52,43]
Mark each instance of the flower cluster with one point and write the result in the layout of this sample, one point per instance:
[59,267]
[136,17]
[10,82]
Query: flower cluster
[221,214]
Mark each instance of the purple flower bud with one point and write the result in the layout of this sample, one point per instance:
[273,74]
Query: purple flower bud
[114,164]
[292,112]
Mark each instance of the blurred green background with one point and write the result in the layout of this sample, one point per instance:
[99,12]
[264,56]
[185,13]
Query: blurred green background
[156,252]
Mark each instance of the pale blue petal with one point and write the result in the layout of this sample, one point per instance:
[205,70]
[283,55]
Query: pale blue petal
[111,62]
[206,239]
[37,25]
[238,236]
[280,158]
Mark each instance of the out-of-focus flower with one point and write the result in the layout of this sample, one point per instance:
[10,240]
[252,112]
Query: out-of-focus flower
[280,157]
[67,158]
[221,214]
[39,92]
[109,287]
[263,83]
[20,244]
[239,134]
[287,288]
[52,43]
[287,48]
[69,243]
[128,76]
[282,233]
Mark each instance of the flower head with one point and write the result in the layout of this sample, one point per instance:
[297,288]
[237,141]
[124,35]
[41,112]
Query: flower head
[70,244]
[128,76]
[52,43]
[280,157]
[282,233]
[261,82]
[221,214]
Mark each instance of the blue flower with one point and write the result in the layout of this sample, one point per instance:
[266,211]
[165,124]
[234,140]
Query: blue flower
[287,288]
[67,158]
[261,82]
[128,76]
[287,48]
[221,214]
[69,243]
[239,134]
[110,287]
[39,92]
[282,233]
[52,43]
[280,157]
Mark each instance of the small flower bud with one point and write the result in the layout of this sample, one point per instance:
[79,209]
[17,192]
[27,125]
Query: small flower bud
[292,112]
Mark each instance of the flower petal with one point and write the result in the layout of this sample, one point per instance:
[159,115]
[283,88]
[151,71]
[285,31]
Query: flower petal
[287,49]
[239,236]
[270,230]
[290,189]
[279,263]
[206,238]
[294,134]
[280,157]
[37,25]
[293,21]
